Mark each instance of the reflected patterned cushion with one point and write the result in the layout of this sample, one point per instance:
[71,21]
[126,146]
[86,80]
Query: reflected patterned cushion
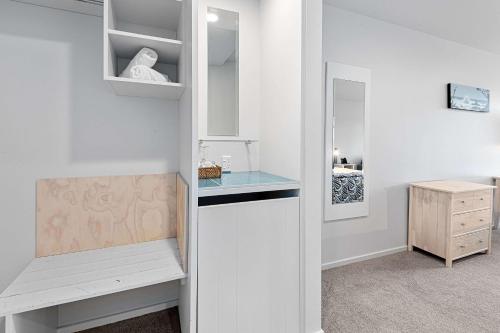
[347,188]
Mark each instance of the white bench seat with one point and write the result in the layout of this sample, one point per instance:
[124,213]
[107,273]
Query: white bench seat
[66,278]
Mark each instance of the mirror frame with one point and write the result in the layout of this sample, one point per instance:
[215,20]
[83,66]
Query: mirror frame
[237,118]
[334,212]
[203,77]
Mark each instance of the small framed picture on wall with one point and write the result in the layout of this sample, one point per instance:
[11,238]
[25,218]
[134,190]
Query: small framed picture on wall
[467,98]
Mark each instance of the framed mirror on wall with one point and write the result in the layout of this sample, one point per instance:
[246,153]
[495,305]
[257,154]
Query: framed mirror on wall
[220,113]
[229,71]
[223,72]
[346,142]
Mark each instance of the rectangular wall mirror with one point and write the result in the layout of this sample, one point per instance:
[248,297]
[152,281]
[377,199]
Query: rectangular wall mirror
[346,148]
[223,73]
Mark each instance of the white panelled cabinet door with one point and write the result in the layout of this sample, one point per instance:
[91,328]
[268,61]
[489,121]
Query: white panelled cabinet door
[248,267]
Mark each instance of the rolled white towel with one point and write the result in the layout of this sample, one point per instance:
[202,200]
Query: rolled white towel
[166,77]
[141,72]
[145,57]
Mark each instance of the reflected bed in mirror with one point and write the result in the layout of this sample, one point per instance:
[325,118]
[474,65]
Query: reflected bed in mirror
[346,190]
[348,140]
[223,73]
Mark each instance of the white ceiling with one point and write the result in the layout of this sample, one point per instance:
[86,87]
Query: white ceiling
[471,22]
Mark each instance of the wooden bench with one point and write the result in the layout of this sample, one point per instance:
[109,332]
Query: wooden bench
[29,304]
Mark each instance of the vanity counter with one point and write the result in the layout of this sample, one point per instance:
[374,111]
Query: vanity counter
[244,182]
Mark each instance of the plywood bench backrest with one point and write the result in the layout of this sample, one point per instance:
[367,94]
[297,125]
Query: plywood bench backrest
[77,214]
[182,220]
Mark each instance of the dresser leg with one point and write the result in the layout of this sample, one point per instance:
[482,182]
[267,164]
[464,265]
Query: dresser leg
[448,263]
[410,248]
[488,251]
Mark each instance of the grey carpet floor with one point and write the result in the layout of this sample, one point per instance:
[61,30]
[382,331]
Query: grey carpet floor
[166,321]
[414,292]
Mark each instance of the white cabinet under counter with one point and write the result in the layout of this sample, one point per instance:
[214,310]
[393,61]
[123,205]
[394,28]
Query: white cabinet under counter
[249,256]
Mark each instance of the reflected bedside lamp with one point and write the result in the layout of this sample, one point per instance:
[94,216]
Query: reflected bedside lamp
[336,154]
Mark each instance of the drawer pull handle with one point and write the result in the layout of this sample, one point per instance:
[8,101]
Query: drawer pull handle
[462,246]
[463,201]
[480,241]
[462,224]
[482,199]
[481,220]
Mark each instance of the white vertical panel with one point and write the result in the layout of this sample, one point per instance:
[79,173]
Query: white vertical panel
[312,162]
[280,121]
[188,155]
[248,272]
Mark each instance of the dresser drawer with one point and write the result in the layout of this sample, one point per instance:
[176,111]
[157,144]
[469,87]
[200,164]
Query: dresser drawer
[470,243]
[482,199]
[468,222]
[462,202]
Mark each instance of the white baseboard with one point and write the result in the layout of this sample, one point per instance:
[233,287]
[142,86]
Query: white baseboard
[116,318]
[363,257]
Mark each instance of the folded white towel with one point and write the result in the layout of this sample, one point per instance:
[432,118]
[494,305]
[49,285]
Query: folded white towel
[141,72]
[146,57]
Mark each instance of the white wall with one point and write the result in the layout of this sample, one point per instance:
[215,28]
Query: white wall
[58,119]
[413,136]
[281,58]
[244,157]
[269,86]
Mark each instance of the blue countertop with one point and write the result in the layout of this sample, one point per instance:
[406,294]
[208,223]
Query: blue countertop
[244,182]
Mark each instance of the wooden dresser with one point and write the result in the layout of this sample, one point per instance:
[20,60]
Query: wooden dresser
[496,205]
[451,219]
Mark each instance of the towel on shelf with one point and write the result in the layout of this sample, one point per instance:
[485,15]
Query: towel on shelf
[141,72]
[166,77]
[140,67]
[145,57]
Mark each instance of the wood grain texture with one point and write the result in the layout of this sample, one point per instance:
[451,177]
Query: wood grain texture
[467,222]
[453,186]
[441,217]
[470,243]
[78,214]
[182,220]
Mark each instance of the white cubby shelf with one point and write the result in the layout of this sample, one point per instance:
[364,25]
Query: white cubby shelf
[128,28]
